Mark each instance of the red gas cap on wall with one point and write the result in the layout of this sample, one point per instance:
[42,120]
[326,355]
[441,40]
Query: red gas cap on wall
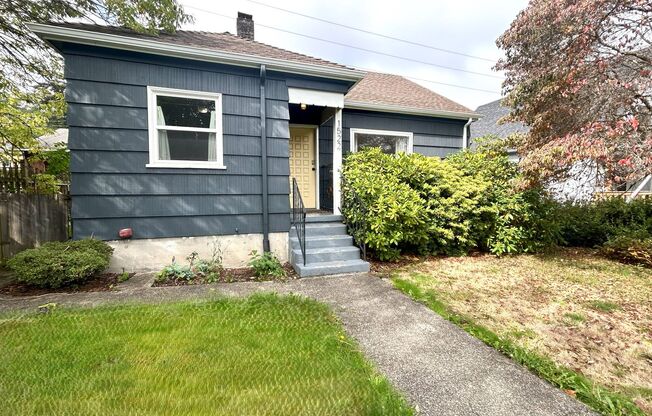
[126,233]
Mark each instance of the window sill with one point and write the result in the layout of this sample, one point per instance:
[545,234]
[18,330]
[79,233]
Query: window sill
[186,165]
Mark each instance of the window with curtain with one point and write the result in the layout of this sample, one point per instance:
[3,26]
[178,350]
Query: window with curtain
[390,142]
[185,128]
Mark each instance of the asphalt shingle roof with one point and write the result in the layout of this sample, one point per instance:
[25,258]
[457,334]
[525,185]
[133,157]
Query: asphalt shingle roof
[388,89]
[225,42]
[488,124]
[374,88]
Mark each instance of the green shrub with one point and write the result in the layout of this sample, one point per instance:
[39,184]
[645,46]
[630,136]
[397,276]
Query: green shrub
[266,264]
[411,201]
[629,249]
[58,264]
[591,224]
[513,221]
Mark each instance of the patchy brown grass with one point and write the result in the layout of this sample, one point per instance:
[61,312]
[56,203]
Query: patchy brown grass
[584,312]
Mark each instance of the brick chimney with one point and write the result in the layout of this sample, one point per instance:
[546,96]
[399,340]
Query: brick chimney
[245,26]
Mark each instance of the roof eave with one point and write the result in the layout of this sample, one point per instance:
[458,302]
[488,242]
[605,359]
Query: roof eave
[87,37]
[390,108]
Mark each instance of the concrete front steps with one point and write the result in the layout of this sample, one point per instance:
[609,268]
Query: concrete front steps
[329,250]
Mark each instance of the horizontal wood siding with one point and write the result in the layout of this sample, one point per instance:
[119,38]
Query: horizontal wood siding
[432,136]
[112,189]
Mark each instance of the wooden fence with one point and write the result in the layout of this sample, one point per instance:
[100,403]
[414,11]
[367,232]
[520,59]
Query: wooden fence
[14,177]
[29,220]
[622,194]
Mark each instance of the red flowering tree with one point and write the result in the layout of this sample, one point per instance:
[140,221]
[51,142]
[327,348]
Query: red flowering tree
[579,73]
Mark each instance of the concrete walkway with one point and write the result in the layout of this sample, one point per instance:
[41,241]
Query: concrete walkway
[441,369]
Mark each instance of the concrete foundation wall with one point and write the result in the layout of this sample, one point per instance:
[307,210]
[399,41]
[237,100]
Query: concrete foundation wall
[153,254]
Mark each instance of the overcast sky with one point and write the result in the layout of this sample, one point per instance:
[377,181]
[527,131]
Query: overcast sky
[466,26]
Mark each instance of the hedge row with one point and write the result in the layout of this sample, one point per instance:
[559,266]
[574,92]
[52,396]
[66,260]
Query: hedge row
[470,201]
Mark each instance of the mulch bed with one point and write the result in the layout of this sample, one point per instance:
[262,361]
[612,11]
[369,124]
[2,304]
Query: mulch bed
[387,267]
[100,283]
[243,274]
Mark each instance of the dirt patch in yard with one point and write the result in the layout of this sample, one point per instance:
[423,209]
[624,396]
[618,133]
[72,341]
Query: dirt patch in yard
[100,283]
[582,311]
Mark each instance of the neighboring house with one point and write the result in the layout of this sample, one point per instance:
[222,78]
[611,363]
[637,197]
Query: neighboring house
[192,139]
[489,125]
[48,141]
[583,182]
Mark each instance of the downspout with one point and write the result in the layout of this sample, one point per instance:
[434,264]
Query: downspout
[263,154]
[465,135]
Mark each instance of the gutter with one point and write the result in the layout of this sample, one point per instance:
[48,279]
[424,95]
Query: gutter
[390,108]
[86,37]
[263,153]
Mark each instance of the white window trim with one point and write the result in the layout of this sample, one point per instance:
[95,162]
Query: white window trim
[354,143]
[154,162]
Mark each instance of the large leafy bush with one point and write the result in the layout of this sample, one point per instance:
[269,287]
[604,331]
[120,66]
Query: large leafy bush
[513,220]
[412,202]
[58,264]
[409,201]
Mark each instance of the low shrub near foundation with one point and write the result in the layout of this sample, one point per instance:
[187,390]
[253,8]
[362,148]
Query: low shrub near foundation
[266,265]
[59,264]
[197,269]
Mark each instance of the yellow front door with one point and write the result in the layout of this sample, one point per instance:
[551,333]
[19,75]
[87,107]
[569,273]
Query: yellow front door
[302,163]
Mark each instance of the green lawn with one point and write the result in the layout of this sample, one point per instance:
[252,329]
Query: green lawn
[262,355]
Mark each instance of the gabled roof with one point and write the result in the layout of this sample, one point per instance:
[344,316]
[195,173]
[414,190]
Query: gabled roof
[210,40]
[374,91]
[205,46]
[488,124]
[396,93]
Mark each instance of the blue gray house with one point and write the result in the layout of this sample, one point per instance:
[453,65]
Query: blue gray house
[191,140]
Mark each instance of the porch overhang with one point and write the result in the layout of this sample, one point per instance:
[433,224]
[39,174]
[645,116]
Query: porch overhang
[315,97]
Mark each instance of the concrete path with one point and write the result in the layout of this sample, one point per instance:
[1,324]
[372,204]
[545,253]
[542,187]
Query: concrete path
[440,368]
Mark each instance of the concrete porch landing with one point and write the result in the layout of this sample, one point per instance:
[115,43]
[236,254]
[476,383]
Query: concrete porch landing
[441,369]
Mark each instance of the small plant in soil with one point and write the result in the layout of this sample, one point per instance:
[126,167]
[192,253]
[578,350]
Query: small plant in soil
[175,272]
[124,276]
[266,264]
[198,270]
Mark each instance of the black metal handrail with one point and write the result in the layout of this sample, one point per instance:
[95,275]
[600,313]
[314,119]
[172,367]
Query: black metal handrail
[354,211]
[299,217]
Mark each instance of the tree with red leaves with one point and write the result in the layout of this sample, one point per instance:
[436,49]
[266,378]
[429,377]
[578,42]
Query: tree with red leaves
[579,74]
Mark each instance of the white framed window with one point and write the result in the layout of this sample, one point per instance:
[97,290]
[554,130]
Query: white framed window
[185,129]
[388,141]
